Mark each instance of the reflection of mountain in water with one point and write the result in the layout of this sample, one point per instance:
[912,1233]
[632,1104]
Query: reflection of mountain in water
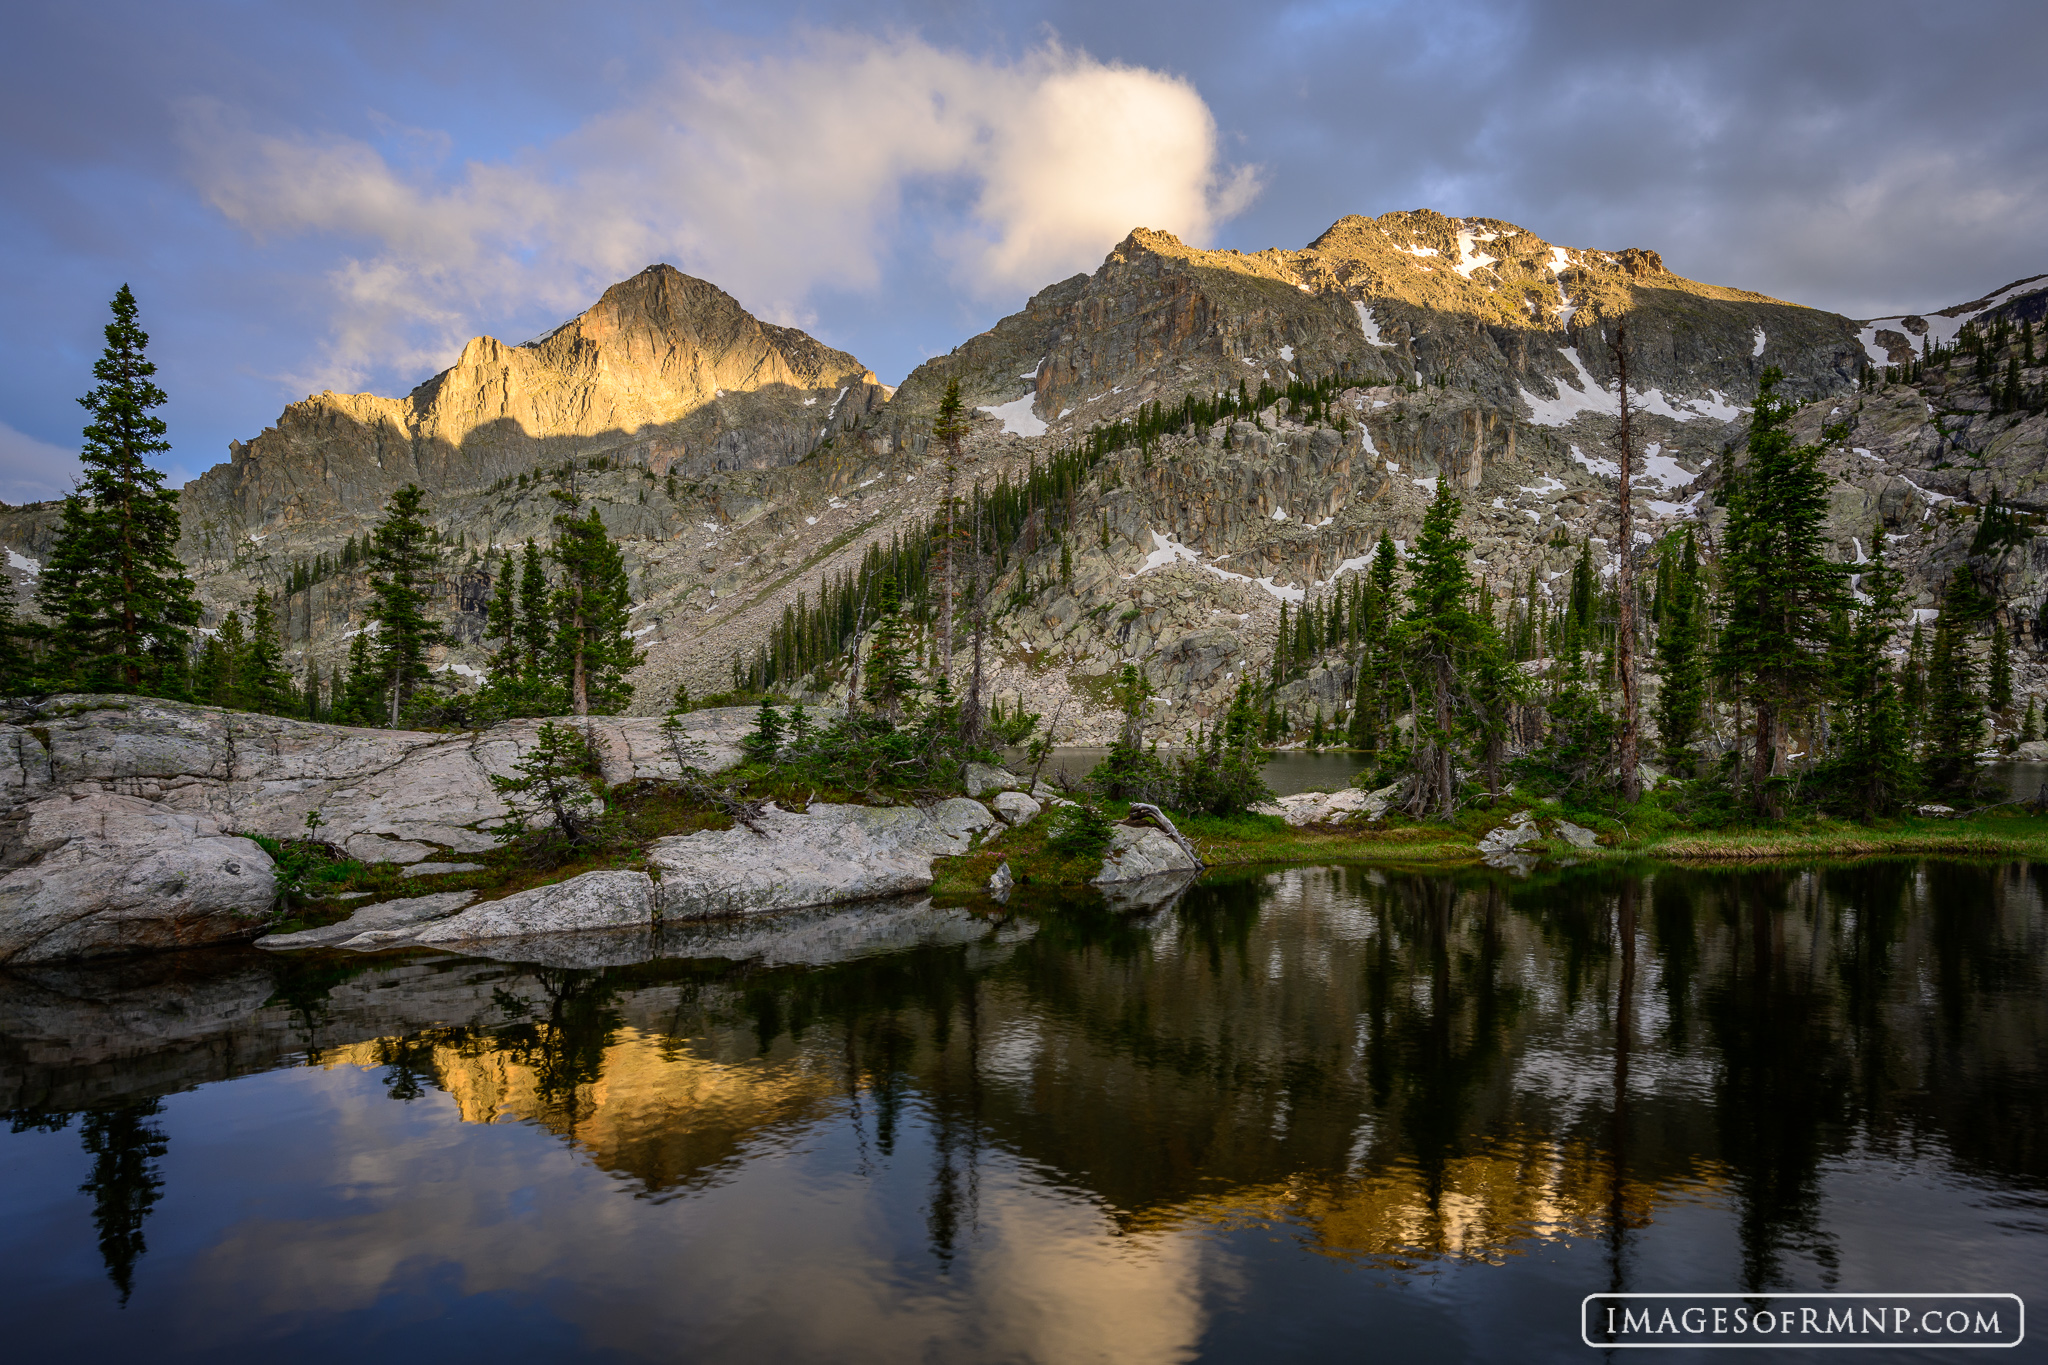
[1399,1067]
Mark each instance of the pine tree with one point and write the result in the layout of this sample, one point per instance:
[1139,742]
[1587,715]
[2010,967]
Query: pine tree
[1438,637]
[1874,770]
[949,429]
[310,698]
[359,699]
[593,650]
[114,587]
[402,551]
[234,656]
[1998,688]
[264,683]
[891,685]
[1955,716]
[2030,728]
[1780,586]
[1681,658]
[14,660]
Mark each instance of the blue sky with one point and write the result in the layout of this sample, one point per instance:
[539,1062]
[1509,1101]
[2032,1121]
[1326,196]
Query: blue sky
[307,197]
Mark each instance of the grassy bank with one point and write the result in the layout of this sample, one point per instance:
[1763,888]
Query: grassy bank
[1265,840]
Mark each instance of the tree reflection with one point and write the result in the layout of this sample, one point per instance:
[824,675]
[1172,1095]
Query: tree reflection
[125,1184]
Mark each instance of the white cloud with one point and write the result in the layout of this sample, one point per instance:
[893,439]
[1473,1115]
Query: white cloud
[770,177]
[33,470]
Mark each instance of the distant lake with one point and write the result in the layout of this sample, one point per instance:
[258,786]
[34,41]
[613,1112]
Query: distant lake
[1321,1114]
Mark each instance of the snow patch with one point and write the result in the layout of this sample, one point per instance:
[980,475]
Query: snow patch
[1017,417]
[1279,514]
[1287,354]
[1367,325]
[1470,259]
[1418,251]
[1591,396]
[21,563]
[1606,469]
[1758,349]
[1428,484]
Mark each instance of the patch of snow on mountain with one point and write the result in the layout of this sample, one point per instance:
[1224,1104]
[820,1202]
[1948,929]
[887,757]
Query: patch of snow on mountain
[1545,485]
[1166,551]
[1661,469]
[1279,514]
[1570,402]
[1876,354]
[1365,435]
[1287,354]
[1758,349]
[1859,450]
[21,563]
[1427,485]
[1418,251]
[1034,371]
[1559,259]
[1470,259]
[1606,469]
[1688,508]
[1017,417]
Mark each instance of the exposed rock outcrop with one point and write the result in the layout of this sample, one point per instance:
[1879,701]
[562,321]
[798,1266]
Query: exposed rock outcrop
[122,818]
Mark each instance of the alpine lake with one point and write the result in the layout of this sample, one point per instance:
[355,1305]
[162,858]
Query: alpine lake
[1325,1113]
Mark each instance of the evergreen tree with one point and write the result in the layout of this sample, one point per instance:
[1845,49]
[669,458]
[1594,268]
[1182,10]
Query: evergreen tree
[266,685]
[358,701]
[593,650]
[1913,686]
[1439,636]
[311,696]
[1874,770]
[765,741]
[402,558]
[1955,715]
[14,659]
[891,683]
[1780,586]
[1681,657]
[1998,687]
[228,689]
[2030,727]
[114,587]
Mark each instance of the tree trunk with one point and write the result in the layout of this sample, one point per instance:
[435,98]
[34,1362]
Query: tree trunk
[1625,588]
[1761,758]
[579,683]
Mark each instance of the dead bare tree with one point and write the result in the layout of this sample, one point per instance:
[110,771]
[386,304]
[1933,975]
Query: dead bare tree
[1625,583]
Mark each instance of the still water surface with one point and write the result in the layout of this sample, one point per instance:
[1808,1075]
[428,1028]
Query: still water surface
[1306,1115]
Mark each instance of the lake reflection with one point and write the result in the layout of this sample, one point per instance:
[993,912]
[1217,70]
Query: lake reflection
[1294,1115]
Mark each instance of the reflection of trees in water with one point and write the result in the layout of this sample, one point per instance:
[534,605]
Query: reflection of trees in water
[125,1183]
[1338,1048]
[565,1045]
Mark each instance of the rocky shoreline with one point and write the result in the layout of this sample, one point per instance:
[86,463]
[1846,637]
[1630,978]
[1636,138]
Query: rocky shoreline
[126,824]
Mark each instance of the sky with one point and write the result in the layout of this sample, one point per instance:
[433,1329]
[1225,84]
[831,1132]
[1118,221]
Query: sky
[338,196]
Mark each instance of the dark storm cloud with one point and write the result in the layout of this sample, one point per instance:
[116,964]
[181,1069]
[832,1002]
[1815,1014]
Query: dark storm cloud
[1865,157]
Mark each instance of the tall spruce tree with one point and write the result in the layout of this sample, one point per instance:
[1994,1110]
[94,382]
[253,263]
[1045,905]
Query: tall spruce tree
[949,429]
[121,603]
[891,686]
[1873,771]
[403,557]
[593,650]
[1780,587]
[1955,713]
[1682,659]
[264,683]
[1439,636]
[358,700]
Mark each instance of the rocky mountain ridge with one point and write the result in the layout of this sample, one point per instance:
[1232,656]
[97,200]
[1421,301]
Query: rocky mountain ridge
[737,463]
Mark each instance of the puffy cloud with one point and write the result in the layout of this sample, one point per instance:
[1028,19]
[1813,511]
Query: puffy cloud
[771,176]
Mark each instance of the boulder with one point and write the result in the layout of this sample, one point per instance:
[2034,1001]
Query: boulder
[1142,851]
[2032,751]
[959,817]
[983,779]
[1331,808]
[96,874]
[595,900]
[398,914]
[1578,836]
[1016,808]
[822,856]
